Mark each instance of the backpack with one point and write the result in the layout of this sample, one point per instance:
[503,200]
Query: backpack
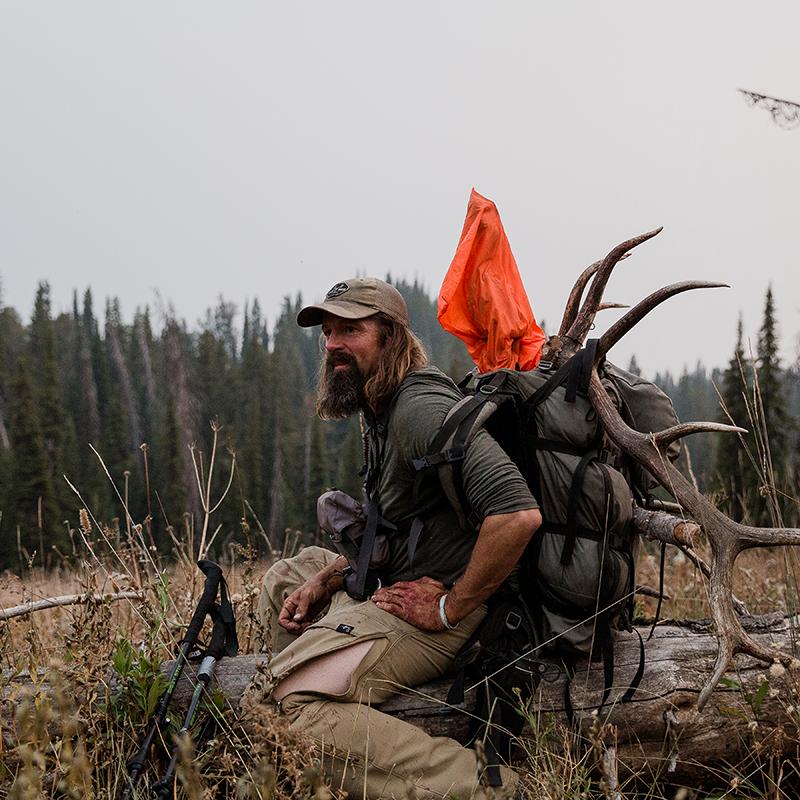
[574,584]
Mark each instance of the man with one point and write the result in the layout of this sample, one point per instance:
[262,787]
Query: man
[339,657]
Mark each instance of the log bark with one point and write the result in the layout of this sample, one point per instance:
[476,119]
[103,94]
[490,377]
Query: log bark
[659,732]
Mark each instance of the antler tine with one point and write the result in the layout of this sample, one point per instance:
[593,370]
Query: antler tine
[584,318]
[574,299]
[726,537]
[641,309]
[607,306]
[665,438]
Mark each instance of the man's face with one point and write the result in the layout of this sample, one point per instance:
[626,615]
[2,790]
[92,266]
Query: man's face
[352,342]
[352,353]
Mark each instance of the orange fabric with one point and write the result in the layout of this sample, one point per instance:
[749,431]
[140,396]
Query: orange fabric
[483,301]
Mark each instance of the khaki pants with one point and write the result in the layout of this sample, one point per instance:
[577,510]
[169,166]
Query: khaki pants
[366,752]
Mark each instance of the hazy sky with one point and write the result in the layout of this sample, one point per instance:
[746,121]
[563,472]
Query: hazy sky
[257,149]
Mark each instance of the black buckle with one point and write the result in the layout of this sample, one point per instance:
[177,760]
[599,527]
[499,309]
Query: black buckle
[487,388]
[454,453]
[513,620]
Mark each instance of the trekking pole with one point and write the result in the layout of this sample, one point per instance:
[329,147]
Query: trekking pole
[213,580]
[216,650]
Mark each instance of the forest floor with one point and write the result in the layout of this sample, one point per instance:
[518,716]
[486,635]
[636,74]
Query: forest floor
[70,735]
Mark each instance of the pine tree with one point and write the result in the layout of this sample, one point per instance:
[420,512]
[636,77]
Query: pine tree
[93,483]
[33,507]
[319,477]
[120,430]
[252,425]
[44,379]
[734,475]
[770,403]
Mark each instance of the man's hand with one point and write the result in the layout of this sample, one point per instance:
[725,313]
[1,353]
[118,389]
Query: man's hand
[416,602]
[302,606]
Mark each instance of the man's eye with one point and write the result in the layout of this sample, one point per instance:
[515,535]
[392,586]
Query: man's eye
[350,329]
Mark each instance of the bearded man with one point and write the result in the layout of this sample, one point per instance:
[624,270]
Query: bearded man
[338,657]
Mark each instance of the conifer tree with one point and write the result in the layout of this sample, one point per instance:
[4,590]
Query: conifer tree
[771,400]
[734,475]
[47,392]
[93,483]
[252,423]
[33,507]
[319,477]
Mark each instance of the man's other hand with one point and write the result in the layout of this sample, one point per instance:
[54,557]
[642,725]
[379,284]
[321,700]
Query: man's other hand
[301,607]
[415,602]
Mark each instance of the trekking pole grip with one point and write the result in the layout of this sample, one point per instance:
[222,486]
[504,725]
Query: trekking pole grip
[213,574]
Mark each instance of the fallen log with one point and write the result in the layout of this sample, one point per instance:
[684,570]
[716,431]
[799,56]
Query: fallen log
[659,732]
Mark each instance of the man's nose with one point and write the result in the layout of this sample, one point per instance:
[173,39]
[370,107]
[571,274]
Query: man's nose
[333,342]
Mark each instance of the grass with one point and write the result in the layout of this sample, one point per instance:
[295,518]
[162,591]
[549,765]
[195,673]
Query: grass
[95,679]
[70,732]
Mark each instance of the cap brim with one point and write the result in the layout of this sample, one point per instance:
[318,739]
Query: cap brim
[312,315]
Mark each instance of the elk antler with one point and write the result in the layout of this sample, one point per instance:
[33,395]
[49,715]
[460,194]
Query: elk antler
[573,338]
[727,538]
[625,323]
[571,308]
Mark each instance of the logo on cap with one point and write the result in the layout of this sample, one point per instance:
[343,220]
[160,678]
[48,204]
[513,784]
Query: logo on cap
[336,290]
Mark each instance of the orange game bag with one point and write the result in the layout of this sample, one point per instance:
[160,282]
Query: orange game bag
[483,301]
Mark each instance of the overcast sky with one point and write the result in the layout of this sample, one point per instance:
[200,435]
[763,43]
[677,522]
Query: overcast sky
[260,149]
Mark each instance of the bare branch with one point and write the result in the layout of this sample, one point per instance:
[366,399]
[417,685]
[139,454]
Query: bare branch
[67,600]
[663,527]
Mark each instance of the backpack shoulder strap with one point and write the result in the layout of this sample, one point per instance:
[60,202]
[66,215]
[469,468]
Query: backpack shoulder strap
[449,446]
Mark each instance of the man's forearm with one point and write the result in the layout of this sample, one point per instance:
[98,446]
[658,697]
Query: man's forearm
[332,576]
[501,541]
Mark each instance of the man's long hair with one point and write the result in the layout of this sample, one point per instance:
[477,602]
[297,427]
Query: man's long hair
[402,353]
[340,395]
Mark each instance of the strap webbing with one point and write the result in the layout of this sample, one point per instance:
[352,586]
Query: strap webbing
[581,371]
[575,491]
[616,541]
[365,550]
[554,446]
[468,408]
[413,540]
[228,619]
[637,678]
[660,590]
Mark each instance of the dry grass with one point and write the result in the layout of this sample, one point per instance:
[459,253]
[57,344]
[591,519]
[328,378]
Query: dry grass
[70,730]
[70,733]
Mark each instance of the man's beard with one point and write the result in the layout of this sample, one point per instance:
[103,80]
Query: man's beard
[340,393]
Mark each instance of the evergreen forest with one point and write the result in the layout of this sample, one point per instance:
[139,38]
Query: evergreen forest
[101,413]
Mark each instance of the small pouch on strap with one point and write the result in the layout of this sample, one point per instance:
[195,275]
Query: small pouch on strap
[360,536]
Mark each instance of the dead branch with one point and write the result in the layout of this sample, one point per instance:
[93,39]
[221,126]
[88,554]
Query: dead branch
[67,600]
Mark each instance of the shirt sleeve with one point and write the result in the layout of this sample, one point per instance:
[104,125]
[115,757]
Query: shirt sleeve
[492,482]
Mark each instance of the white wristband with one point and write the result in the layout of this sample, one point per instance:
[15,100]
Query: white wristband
[443,615]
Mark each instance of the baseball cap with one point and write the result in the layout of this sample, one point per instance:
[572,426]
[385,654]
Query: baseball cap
[357,298]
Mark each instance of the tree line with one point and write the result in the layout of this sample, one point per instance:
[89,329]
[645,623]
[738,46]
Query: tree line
[108,414]
[128,413]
